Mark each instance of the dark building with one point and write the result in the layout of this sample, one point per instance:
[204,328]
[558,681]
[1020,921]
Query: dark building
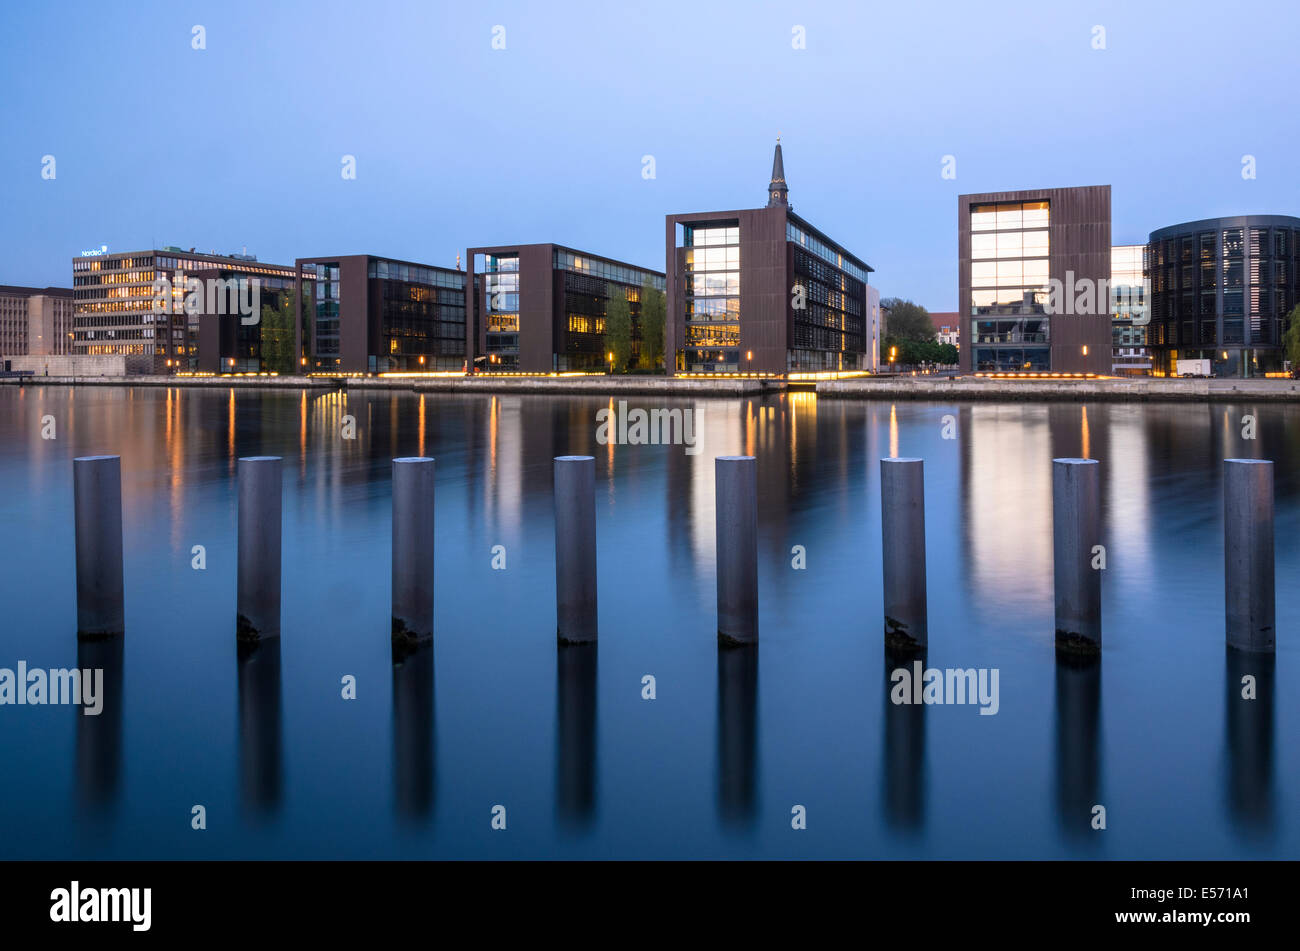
[359,313]
[540,308]
[146,303]
[762,290]
[259,342]
[1033,280]
[1222,290]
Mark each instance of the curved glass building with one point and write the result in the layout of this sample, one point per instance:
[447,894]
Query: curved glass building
[1222,289]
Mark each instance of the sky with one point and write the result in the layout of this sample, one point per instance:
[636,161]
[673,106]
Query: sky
[458,144]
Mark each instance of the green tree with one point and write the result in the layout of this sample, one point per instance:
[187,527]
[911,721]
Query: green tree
[618,327]
[948,355]
[276,329]
[907,321]
[654,307]
[1291,339]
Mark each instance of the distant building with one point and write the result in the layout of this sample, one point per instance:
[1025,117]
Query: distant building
[1222,289]
[1130,312]
[142,303]
[763,290]
[359,313]
[947,327]
[35,321]
[875,329]
[1014,250]
[540,308]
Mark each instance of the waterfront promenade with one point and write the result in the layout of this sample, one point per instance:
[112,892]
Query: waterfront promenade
[925,388]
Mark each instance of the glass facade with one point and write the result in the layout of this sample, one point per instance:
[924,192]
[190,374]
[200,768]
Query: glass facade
[712,295]
[828,331]
[325,323]
[1008,309]
[501,309]
[1222,290]
[1129,311]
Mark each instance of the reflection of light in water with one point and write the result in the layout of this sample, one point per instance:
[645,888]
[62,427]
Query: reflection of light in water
[749,428]
[420,451]
[1009,494]
[893,431]
[717,435]
[230,431]
[302,436]
[505,492]
[176,461]
[1129,522]
[1087,452]
[610,439]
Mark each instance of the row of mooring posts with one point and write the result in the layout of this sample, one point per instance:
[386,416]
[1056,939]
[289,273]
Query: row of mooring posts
[1076,526]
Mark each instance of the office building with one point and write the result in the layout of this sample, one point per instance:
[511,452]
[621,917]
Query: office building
[153,304]
[540,308]
[1033,278]
[1222,289]
[35,321]
[763,290]
[362,314]
[1129,312]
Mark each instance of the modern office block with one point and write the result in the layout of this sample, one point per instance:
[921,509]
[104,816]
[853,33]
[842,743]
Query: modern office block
[1033,280]
[763,290]
[540,308]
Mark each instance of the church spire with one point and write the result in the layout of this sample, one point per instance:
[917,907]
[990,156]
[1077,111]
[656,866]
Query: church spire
[777,193]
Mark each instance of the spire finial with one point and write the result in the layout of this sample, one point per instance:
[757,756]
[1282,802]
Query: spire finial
[776,189]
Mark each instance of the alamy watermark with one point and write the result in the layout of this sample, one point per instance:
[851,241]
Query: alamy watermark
[1087,296]
[215,297]
[59,685]
[639,427]
[953,685]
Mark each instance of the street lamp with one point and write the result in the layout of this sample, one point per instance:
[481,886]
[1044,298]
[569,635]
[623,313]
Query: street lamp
[893,352]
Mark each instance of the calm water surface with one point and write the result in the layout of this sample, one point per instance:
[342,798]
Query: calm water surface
[585,767]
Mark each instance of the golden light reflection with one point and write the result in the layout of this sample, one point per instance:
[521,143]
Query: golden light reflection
[1087,451]
[749,427]
[230,431]
[421,449]
[893,431]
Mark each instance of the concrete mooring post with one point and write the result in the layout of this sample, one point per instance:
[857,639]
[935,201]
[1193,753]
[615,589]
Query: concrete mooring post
[258,598]
[1248,554]
[736,509]
[97,512]
[575,549]
[902,532]
[1076,535]
[413,517]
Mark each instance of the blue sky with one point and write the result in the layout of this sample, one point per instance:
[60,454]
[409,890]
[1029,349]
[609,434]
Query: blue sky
[458,144]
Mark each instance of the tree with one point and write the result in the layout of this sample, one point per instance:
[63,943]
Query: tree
[948,355]
[276,331]
[653,310]
[618,327]
[1291,339]
[907,321]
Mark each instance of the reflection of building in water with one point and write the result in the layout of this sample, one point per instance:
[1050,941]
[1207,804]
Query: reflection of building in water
[504,502]
[1006,485]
